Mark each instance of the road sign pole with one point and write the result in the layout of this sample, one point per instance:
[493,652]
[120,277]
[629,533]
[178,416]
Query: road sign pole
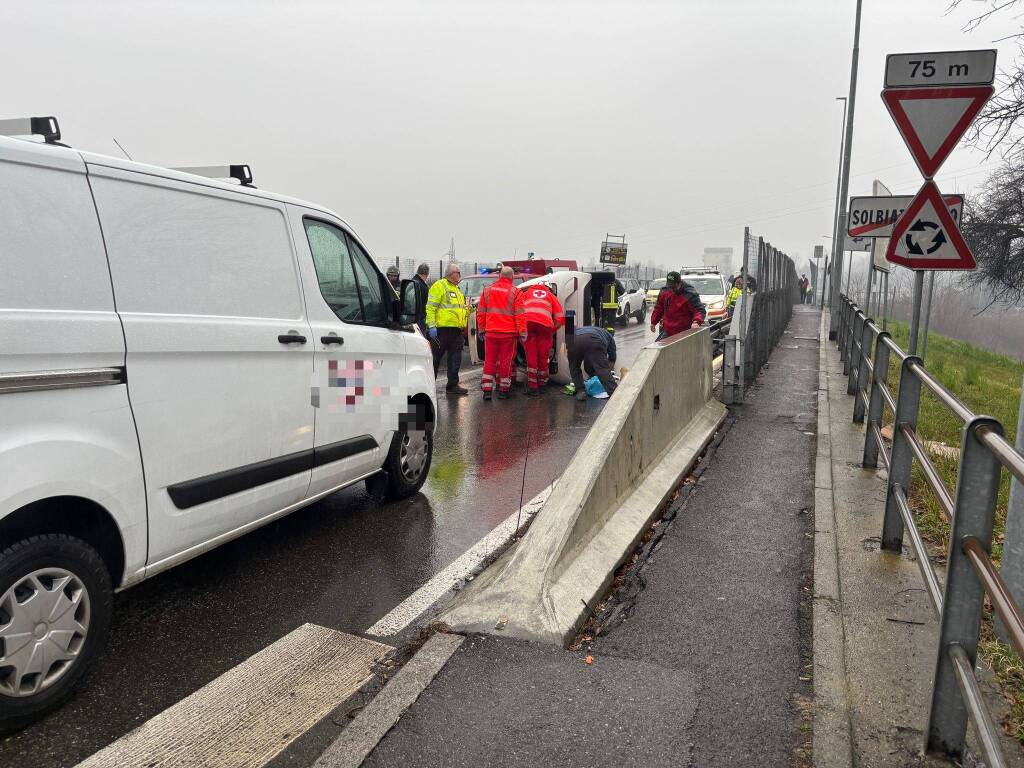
[927,313]
[885,304]
[847,149]
[867,289]
[915,311]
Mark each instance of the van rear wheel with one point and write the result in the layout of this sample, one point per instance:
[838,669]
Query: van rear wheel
[55,606]
[408,461]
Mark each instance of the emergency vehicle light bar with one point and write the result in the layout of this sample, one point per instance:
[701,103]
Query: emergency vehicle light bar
[699,270]
[240,172]
[32,126]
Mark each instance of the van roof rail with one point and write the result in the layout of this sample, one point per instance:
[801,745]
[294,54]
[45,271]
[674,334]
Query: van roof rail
[241,172]
[46,127]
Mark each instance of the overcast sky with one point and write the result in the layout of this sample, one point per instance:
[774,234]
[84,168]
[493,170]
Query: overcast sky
[512,126]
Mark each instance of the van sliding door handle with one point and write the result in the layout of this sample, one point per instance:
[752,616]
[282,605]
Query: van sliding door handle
[292,338]
[331,340]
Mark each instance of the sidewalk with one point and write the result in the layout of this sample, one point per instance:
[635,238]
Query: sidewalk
[875,632]
[702,658]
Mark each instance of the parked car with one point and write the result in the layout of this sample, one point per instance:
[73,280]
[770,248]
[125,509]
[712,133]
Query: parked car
[653,289]
[631,301]
[158,335]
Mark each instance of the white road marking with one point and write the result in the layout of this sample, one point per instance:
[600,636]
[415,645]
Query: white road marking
[419,601]
[245,717]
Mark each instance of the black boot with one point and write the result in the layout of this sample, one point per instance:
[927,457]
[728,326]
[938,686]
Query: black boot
[487,395]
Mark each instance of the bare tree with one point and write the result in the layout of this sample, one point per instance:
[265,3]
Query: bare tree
[999,126]
[993,225]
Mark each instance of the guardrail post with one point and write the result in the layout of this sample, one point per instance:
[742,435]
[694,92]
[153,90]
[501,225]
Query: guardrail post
[908,403]
[977,485]
[876,408]
[856,352]
[862,370]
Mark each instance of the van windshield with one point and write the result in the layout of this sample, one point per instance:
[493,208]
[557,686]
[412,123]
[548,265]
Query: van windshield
[657,285]
[708,286]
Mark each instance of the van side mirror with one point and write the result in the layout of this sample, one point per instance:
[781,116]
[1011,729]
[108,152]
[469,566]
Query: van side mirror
[405,305]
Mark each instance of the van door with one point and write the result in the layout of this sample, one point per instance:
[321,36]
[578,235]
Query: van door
[219,354]
[358,385]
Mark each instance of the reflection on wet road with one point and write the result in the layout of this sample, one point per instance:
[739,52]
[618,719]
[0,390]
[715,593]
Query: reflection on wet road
[343,563]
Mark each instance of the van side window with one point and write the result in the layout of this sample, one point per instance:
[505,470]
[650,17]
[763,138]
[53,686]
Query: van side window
[375,309]
[333,263]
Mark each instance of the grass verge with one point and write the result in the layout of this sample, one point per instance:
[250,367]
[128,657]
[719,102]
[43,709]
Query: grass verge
[988,383]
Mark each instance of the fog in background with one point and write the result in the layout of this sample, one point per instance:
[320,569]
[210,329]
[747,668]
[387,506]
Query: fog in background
[512,126]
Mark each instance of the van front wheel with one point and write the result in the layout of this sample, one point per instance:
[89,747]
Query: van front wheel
[408,461]
[55,607]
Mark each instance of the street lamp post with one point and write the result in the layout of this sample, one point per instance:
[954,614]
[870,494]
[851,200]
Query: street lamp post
[845,182]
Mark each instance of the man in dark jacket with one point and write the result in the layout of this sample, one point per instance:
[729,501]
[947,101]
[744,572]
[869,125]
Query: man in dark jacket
[419,282]
[678,308]
[594,349]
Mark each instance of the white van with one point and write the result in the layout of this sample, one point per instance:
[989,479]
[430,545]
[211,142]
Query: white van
[182,360]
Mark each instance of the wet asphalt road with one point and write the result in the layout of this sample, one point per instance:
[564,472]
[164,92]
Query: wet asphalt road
[342,563]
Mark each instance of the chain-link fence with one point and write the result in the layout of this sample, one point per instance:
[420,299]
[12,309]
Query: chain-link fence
[407,268]
[761,313]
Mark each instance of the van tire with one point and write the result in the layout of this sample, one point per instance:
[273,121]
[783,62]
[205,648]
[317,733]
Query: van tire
[82,563]
[409,448]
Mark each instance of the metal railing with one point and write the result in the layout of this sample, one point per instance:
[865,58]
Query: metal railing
[866,351]
[759,318]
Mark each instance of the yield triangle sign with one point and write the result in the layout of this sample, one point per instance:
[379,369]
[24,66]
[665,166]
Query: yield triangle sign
[933,120]
[926,237]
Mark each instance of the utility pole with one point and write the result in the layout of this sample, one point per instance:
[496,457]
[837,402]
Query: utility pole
[845,184]
[837,244]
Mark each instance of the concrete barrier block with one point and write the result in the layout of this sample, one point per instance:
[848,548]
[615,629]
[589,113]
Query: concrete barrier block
[646,439]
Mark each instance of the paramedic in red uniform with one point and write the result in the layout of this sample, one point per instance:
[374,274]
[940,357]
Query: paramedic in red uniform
[500,319]
[544,316]
[678,308]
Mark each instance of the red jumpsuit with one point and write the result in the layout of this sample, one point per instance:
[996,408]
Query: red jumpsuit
[500,317]
[544,316]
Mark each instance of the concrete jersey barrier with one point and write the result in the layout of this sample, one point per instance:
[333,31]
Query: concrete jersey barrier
[646,439]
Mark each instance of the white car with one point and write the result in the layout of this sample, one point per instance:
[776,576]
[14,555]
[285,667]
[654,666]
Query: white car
[632,301]
[711,287]
[182,360]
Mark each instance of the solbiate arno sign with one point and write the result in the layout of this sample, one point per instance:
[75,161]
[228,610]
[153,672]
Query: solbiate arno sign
[875,216]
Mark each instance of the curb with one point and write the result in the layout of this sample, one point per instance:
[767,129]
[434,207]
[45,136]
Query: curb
[833,742]
[372,724]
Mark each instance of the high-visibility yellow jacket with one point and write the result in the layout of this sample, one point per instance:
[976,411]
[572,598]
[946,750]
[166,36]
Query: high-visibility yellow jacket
[733,297]
[446,306]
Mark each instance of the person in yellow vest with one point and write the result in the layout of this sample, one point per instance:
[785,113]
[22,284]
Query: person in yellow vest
[734,295]
[447,315]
